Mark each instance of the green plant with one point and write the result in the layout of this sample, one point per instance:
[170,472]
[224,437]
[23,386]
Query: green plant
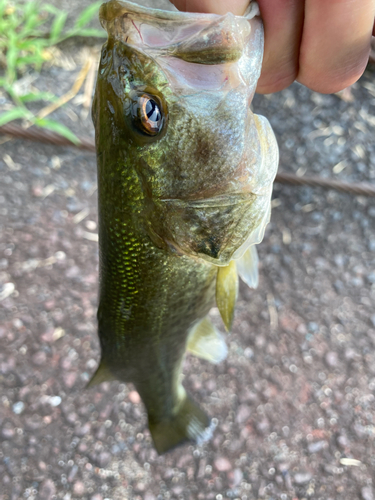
[24,44]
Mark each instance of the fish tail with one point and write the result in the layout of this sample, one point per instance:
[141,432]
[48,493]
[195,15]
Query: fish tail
[190,423]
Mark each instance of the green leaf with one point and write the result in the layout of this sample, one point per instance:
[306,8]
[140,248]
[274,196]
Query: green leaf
[32,21]
[3,4]
[37,96]
[15,114]
[13,20]
[57,127]
[30,8]
[11,58]
[92,32]
[51,9]
[87,15]
[57,26]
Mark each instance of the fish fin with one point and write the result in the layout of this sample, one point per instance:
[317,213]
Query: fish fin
[206,342]
[226,292]
[102,374]
[247,267]
[189,424]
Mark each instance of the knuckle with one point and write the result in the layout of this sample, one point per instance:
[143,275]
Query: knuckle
[332,78]
[276,77]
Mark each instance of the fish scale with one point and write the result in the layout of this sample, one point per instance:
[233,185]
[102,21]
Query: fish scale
[183,191]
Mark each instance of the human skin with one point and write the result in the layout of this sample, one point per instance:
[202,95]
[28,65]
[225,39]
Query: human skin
[323,44]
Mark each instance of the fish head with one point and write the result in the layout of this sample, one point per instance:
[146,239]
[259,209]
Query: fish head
[174,92]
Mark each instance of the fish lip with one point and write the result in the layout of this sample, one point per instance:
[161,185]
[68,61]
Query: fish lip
[123,7]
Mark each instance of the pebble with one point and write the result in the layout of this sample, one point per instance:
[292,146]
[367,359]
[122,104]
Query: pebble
[367,493]
[82,447]
[140,487]
[83,430]
[72,417]
[342,441]
[331,358]
[249,353]
[73,473]
[73,272]
[18,407]
[149,496]
[7,431]
[103,459]
[134,397]
[243,414]
[39,358]
[70,378]
[3,263]
[54,400]
[313,327]
[222,464]
[6,290]
[235,477]
[47,490]
[79,488]
[317,446]
[34,422]
[302,477]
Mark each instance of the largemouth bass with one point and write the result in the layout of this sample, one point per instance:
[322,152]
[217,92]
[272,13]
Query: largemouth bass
[185,172]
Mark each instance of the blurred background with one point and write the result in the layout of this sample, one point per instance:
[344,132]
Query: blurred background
[293,402]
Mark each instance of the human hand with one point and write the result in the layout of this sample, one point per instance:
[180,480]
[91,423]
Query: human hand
[323,44]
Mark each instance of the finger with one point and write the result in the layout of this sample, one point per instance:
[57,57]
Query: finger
[335,43]
[221,7]
[283,22]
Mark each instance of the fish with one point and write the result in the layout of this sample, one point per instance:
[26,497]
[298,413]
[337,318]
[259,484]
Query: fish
[185,174]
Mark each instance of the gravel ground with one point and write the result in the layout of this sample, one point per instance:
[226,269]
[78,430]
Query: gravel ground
[294,401]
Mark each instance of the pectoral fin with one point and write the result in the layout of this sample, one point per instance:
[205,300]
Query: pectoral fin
[226,292]
[247,267]
[102,374]
[206,342]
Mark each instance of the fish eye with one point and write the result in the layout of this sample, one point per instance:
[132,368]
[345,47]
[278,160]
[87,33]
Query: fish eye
[150,117]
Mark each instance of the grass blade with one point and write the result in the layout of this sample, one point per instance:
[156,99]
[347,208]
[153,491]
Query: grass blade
[14,114]
[87,15]
[92,32]
[57,26]
[37,96]
[57,127]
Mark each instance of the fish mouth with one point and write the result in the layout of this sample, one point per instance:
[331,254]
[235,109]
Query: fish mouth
[202,38]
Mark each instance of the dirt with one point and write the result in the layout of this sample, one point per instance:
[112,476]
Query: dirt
[293,402]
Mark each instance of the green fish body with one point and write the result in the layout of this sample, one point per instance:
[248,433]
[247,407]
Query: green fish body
[185,173]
